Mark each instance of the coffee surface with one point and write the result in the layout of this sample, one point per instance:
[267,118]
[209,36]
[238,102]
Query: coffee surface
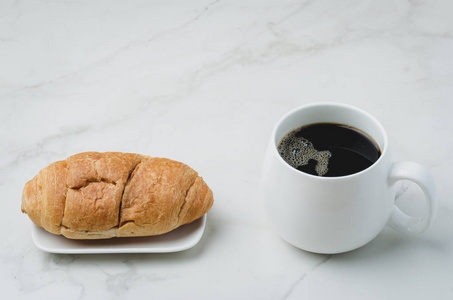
[328,149]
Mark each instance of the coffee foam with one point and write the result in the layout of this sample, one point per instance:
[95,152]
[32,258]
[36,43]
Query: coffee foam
[298,151]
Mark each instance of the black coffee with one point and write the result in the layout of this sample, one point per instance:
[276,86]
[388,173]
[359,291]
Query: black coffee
[328,149]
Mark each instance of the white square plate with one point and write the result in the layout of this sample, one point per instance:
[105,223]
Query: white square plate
[182,238]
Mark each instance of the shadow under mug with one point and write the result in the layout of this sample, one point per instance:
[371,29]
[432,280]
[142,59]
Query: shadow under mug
[338,214]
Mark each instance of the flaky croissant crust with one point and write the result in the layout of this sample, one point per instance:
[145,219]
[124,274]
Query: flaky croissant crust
[103,195]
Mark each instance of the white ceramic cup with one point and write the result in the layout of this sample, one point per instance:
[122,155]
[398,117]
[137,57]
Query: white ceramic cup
[338,214]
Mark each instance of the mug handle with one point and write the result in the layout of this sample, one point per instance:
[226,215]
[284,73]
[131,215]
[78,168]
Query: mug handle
[421,176]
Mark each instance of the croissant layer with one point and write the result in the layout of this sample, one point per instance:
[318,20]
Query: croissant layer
[103,195]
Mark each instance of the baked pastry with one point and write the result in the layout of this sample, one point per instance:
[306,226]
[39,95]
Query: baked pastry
[103,195]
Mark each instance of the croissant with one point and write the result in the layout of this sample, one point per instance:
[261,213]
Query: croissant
[103,195]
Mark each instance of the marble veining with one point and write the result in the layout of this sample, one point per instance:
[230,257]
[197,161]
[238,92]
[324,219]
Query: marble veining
[298,281]
[204,82]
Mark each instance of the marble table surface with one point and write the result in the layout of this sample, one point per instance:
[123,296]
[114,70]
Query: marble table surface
[203,82]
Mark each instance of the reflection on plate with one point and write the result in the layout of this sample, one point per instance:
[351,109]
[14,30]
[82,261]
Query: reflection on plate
[182,238]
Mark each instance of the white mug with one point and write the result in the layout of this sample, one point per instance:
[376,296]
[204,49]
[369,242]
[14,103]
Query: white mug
[338,214]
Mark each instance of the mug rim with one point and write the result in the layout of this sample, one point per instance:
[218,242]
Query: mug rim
[332,104]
